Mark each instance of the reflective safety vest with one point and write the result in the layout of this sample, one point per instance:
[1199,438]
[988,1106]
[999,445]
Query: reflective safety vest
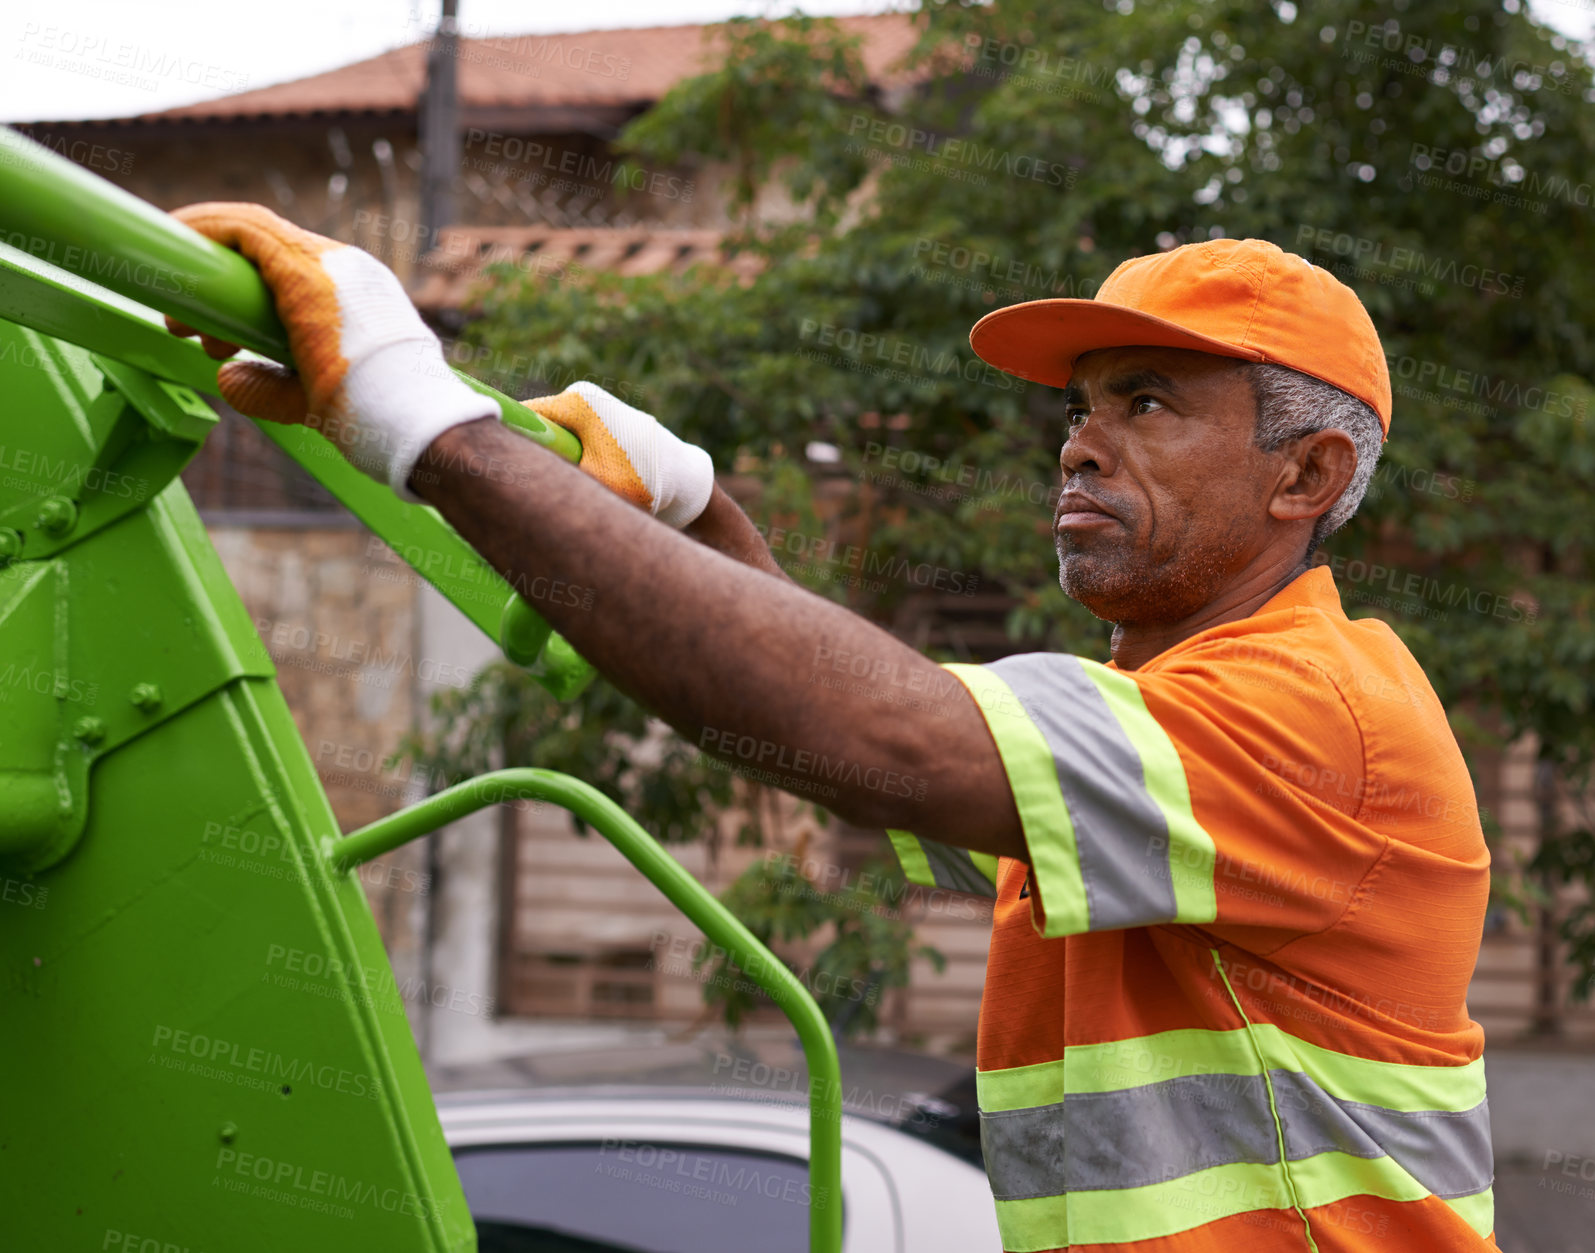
[1225,1002]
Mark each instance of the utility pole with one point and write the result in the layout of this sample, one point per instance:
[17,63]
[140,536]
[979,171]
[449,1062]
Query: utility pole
[440,134]
[440,163]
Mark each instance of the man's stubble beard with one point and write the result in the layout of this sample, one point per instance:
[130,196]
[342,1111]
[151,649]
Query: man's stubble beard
[1129,586]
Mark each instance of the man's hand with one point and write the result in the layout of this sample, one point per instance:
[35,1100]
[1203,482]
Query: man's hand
[632,454]
[369,374]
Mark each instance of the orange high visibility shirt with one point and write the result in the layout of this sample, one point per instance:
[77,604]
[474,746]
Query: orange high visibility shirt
[1225,1003]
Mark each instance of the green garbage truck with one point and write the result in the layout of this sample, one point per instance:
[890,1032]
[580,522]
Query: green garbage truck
[155,1083]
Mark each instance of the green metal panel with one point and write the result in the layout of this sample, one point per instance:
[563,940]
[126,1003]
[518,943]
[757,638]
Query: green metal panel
[177,1072]
[181,1082]
[80,478]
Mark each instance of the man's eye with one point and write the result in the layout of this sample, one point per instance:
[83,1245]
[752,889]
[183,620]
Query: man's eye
[1073,418]
[1139,401]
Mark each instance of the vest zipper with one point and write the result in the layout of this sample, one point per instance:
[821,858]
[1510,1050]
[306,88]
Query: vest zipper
[1273,1107]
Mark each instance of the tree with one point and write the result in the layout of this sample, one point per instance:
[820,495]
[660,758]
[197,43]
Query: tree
[505,718]
[1433,159]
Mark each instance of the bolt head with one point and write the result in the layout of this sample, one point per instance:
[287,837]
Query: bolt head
[147,697]
[90,730]
[57,515]
[10,544]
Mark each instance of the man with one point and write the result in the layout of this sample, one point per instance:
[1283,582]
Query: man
[1239,874]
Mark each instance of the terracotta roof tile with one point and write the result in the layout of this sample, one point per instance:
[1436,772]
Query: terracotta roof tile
[584,69]
[455,267]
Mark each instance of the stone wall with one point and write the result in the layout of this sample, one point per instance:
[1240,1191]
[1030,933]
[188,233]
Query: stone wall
[337,611]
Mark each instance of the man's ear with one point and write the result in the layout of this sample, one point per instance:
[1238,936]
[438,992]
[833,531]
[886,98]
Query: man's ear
[1318,468]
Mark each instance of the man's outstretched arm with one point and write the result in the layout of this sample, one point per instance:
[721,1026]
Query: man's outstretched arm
[727,654]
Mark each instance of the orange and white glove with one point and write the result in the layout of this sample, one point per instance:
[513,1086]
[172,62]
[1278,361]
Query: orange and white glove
[632,453]
[369,374]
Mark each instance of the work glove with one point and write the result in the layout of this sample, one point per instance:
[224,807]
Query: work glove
[369,374]
[632,454]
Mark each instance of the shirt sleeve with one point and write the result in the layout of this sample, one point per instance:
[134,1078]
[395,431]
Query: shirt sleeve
[1196,793]
[935,865]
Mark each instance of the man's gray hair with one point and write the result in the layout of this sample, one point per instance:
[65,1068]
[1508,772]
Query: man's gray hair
[1291,404]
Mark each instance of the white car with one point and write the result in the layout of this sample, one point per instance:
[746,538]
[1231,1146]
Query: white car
[661,1168]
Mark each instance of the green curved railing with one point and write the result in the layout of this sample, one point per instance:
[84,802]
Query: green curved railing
[686,894]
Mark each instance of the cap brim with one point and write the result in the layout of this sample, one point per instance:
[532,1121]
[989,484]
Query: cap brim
[1039,340]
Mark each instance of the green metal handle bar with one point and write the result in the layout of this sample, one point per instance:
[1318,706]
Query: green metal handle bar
[74,219]
[687,895]
[63,224]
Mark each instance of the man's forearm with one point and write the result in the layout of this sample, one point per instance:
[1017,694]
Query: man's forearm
[726,529]
[729,655]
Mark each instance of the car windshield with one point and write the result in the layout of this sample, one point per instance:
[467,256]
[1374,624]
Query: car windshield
[629,1196]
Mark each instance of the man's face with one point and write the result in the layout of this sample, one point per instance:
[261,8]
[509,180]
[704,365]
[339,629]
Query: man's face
[1160,441]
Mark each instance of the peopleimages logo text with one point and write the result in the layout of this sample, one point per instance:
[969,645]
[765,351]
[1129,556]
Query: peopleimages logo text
[960,152]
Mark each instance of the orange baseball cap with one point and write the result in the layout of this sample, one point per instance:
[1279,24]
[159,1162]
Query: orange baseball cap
[1243,298]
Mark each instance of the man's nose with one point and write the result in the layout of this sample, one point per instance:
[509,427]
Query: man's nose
[1087,448]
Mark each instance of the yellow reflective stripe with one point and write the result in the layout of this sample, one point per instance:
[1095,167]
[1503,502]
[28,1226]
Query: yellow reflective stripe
[1478,1210]
[1021,1087]
[1113,1215]
[911,856]
[1036,1223]
[1116,1065]
[1152,1058]
[1107,1215]
[986,863]
[1033,778]
[1331,1177]
[1394,1085]
[1171,1054]
[1192,855]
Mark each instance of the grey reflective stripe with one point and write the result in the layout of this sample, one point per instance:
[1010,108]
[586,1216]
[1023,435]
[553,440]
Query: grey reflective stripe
[1448,1152]
[952,868]
[1128,1138]
[1160,1131]
[1121,834]
[1024,1152]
